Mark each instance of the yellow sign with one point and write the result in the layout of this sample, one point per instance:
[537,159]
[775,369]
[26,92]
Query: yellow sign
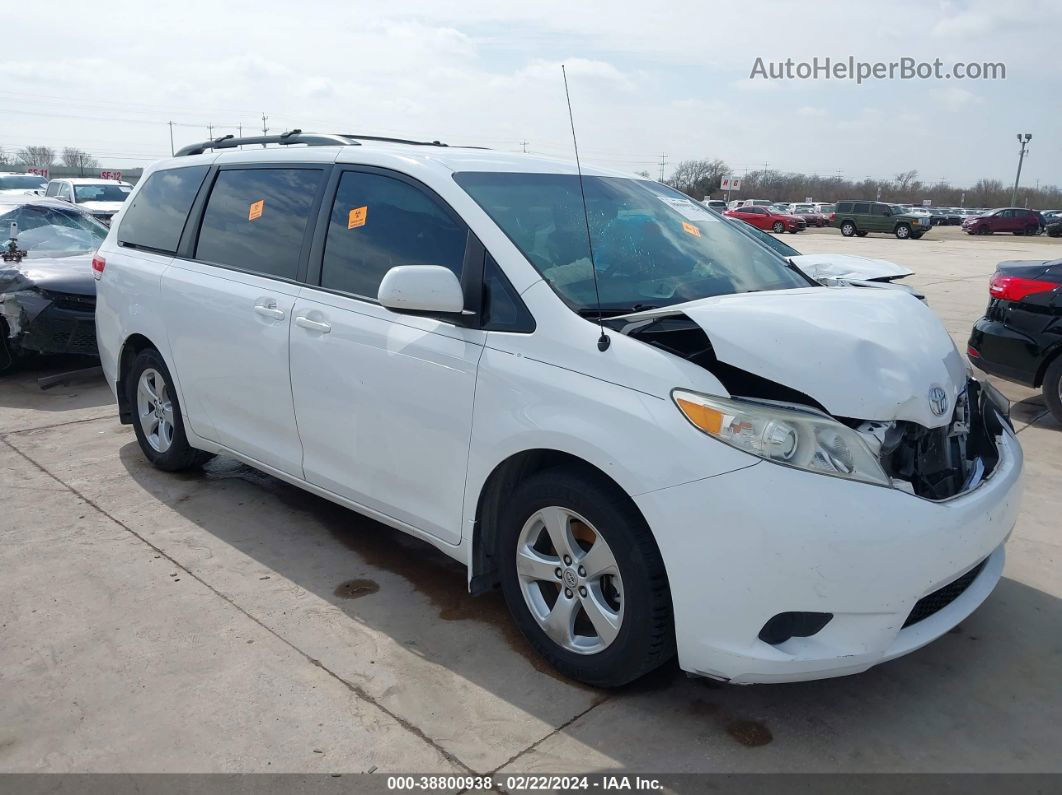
[357,217]
[256,210]
[691,229]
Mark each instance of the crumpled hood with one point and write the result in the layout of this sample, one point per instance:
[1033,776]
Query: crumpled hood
[71,275]
[863,354]
[848,266]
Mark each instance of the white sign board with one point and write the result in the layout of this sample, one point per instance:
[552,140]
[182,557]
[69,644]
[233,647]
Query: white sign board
[927,202]
[724,183]
[735,183]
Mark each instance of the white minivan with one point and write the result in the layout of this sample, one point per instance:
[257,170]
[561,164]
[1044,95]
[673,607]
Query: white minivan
[653,433]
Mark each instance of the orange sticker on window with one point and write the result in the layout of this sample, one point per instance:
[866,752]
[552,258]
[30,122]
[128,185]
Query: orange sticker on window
[256,210]
[691,229]
[357,217]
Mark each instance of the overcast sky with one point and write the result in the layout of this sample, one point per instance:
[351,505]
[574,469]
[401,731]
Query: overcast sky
[646,79]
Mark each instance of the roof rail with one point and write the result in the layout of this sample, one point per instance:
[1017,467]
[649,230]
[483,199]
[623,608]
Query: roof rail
[393,140]
[284,139]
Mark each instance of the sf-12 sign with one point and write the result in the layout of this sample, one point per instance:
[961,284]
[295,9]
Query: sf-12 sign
[115,175]
[40,172]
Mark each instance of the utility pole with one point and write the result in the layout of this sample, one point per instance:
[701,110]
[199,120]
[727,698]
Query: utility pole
[524,145]
[171,139]
[265,130]
[765,173]
[210,131]
[1021,156]
[663,162]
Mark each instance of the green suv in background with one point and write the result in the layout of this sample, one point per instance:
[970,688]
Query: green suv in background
[859,218]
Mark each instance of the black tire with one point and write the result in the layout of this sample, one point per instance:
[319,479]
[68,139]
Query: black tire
[983,230]
[646,637]
[8,355]
[1032,230]
[862,234]
[848,229]
[778,227]
[179,455]
[902,231]
[1052,388]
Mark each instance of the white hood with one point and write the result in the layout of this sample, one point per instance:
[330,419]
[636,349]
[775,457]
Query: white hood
[848,266]
[864,354]
[100,207]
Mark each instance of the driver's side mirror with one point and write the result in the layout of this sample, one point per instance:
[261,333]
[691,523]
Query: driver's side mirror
[421,288]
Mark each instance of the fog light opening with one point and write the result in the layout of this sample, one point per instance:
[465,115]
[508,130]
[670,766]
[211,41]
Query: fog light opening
[784,626]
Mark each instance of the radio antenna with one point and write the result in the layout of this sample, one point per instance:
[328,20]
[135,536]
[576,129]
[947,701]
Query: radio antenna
[603,341]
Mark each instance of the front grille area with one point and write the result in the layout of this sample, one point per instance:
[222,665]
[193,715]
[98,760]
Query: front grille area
[62,330]
[942,597]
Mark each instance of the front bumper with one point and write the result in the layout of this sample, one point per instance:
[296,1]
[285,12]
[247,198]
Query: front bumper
[743,547]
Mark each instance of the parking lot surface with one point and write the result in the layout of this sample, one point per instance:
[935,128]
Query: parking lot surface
[225,621]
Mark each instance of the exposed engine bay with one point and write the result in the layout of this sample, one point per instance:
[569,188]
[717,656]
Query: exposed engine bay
[932,463]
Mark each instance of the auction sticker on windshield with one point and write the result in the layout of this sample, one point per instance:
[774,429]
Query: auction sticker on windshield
[686,208]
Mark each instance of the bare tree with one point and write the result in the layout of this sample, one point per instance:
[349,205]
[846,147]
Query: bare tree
[904,180]
[698,178]
[79,159]
[36,156]
[644,174]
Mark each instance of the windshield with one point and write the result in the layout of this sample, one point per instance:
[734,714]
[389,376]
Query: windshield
[653,246]
[773,242]
[52,231]
[898,210]
[21,182]
[101,193]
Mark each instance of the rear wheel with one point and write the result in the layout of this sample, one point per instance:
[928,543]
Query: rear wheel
[157,418]
[903,231]
[778,227]
[1052,388]
[848,229]
[1032,230]
[583,578]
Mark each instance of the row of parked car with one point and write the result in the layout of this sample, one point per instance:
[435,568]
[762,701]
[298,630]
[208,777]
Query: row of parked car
[100,198]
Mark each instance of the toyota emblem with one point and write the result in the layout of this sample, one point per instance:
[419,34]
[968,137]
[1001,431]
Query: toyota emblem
[938,401]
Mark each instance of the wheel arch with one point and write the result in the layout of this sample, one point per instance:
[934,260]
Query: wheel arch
[503,479]
[131,348]
[1048,360]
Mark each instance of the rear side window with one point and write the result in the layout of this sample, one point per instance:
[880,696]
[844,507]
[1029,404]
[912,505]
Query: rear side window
[880,209]
[156,216]
[844,207]
[378,223]
[255,219]
[861,208]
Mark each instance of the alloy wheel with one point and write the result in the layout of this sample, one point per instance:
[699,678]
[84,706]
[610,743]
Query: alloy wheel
[570,580]
[155,410]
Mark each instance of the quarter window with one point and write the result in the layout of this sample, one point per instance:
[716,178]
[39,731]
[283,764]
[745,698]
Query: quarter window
[156,217]
[53,188]
[255,219]
[861,208]
[378,223]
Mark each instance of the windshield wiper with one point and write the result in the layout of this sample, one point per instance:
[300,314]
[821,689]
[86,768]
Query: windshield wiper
[593,312]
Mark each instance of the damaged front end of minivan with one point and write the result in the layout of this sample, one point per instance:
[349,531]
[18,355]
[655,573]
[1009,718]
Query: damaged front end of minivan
[828,381]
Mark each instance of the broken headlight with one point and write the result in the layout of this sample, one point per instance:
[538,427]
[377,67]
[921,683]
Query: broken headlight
[805,440]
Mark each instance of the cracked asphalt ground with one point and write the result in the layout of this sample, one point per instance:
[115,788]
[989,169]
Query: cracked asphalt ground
[225,621]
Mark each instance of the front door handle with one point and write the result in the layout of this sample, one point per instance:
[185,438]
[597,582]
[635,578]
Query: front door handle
[312,325]
[267,307]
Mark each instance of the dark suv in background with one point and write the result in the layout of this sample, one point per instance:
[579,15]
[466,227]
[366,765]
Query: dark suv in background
[861,217]
[1017,220]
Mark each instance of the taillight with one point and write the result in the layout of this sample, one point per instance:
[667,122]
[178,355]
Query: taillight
[833,216]
[98,264]
[1012,288]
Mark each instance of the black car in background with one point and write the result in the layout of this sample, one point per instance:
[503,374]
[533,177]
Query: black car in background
[47,290]
[1020,336]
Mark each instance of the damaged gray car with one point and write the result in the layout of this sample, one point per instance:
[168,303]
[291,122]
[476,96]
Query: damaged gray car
[47,291]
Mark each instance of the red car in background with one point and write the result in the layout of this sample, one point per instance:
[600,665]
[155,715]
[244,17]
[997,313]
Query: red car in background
[768,220]
[1016,220]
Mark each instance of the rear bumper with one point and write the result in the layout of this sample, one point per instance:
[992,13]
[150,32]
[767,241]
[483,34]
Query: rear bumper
[1002,351]
[743,547]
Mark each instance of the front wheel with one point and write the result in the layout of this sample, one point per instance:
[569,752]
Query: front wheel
[848,229]
[903,231]
[778,227]
[157,418]
[583,578]
[1052,388]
